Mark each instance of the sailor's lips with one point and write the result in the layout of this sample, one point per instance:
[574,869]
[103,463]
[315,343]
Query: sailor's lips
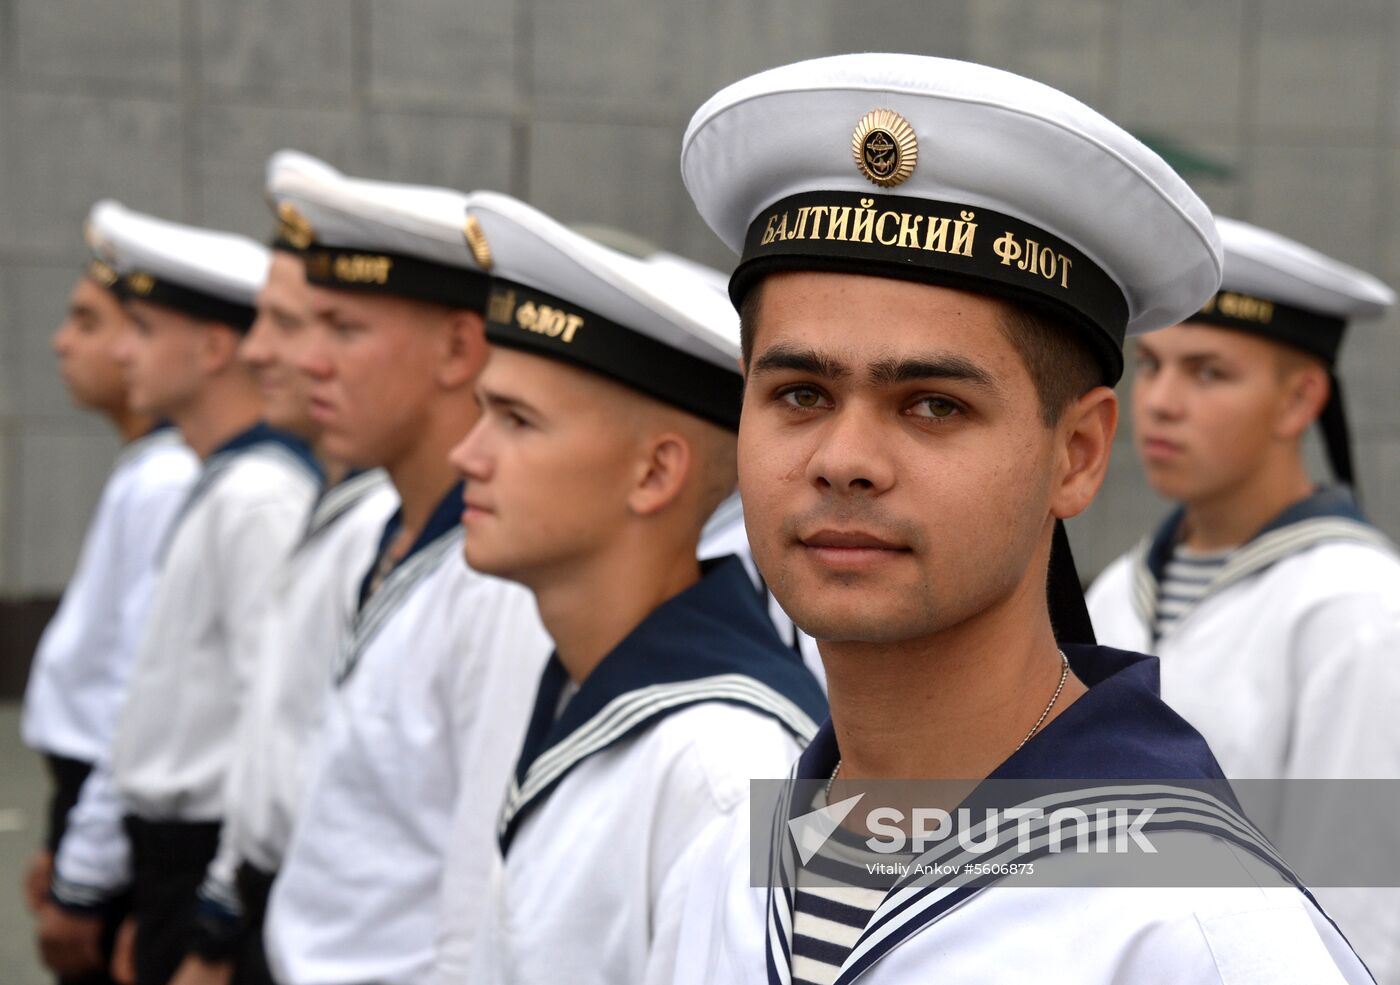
[322,410]
[474,510]
[1156,448]
[849,549]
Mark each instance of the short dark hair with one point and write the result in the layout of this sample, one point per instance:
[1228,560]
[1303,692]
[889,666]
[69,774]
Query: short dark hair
[1061,363]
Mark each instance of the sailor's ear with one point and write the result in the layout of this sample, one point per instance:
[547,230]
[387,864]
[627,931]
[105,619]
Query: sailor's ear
[218,346]
[1306,389]
[464,348]
[662,472]
[1083,442]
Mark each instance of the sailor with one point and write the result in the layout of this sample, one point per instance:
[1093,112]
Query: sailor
[306,626]
[724,532]
[606,441]
[939,263]
[189,294]
[77,680]
[1272,601]
[433,688]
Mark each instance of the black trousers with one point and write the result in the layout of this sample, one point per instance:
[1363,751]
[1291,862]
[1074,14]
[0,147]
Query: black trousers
[68,776]
[254,888]
[169,860]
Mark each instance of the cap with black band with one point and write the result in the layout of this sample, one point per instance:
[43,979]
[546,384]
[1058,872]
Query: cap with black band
[652,325]
[955,175]
[370,236]
[944,243]
[208,275]
[142,286]
[1279,289]
[395,273]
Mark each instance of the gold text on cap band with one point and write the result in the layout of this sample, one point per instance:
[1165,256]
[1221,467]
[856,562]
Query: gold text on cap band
[942,243]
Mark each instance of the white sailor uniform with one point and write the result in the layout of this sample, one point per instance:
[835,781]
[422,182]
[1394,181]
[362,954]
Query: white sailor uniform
[78,679]
[199,654]
[177,730]
[419,736]
[1287,663]
[174,733]
[664,733]
[302,638]
[1120,729]
[657,743]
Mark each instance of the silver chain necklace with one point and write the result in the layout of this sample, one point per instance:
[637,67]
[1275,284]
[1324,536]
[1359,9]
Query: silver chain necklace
[1064,676]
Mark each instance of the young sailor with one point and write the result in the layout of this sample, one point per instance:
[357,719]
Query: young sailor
[78,677]
[939,263]
[616,381]
[433,688]
[1273,604]
[724,532]
[315,591]
[190,297]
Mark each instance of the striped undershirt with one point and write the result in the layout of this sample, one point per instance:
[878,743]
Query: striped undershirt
[1184,583]
[831,906]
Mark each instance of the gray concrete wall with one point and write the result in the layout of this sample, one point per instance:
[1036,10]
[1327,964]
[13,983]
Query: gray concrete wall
[173,106]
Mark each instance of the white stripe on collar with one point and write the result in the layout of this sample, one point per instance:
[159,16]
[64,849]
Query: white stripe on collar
[627,711]
[340,499]
[395,589]
[906,908]
[1254,557]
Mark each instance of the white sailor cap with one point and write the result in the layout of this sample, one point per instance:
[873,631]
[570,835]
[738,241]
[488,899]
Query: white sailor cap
[293,234]
[1280,289]
[209,275]
[652,326]
[643,249]
[717,280]
[955,174]
[100,267]
[380,236]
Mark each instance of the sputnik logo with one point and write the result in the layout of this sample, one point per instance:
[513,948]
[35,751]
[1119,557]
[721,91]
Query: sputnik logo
[810,831]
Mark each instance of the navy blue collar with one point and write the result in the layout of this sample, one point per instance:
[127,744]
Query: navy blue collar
[263,433]
[1119,729]
[1327,501]
[336,501]
[444,519]
[717,629]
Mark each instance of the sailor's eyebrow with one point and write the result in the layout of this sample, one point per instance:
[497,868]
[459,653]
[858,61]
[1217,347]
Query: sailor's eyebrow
[886,372]
[503,401]
[793,358]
